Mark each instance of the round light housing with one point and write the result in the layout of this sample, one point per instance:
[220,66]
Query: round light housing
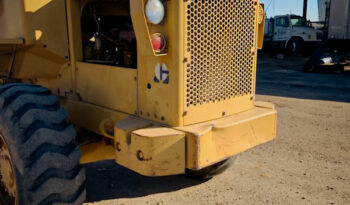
[155,11]
[158,42]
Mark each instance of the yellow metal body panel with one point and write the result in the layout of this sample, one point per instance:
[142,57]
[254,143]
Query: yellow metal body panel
[124,128]
[11,41]
[45,24]
[34,62]
[59,85]
[90,116]
[153,151]
[187,98]
[74,9]
[211,142]
[261,25]
[11,19]
[7,55]
[221,43]
[217,110]
[163,102]
[97,151]
[108,86]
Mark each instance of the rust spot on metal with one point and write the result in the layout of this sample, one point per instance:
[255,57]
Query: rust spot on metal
[141,157]
[118,147]
[185,113]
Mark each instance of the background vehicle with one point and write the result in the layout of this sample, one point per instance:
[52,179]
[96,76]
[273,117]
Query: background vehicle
[167,87]
[335,53]
[292,33]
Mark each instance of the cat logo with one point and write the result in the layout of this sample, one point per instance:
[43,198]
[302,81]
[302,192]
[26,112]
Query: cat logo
[161,74]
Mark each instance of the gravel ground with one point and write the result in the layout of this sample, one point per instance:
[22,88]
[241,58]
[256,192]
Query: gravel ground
[308,163]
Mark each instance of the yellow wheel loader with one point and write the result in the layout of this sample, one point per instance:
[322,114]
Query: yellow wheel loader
[168,86]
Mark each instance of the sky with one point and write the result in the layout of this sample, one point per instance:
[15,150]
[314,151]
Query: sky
[281,7]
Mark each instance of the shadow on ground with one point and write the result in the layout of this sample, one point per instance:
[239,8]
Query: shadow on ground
[285,78]
[107,180]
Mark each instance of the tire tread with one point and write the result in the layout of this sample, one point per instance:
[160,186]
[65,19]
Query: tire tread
[41,142]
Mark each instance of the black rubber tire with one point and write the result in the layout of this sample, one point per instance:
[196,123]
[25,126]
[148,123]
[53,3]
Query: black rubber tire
[295,46]
[41,145]
[314,61]
[211,171]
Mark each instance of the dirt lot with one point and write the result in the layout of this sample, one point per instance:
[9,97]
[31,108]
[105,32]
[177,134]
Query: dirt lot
[308,163]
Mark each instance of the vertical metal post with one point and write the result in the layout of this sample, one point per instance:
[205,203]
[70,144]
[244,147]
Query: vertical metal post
[305,10]
[71,39]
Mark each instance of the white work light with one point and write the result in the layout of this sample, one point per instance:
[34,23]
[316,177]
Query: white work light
[155,11]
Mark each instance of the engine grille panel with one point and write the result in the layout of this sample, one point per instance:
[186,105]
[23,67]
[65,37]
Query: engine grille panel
[220,37]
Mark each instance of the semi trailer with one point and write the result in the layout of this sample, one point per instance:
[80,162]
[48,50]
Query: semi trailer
[335,52]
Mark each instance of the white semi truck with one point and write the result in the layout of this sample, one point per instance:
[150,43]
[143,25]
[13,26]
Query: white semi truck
[291,33]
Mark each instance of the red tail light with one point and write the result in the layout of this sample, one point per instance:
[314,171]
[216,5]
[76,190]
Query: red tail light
[158,42]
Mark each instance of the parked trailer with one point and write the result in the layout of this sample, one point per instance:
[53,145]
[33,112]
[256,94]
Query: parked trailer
[335,54]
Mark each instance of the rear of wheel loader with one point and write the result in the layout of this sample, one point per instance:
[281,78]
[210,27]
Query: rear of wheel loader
[168,87]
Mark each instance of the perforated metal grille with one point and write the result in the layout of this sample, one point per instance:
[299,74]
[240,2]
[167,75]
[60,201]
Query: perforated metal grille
[220,41]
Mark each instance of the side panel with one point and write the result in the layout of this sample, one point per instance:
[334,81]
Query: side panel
[46,40]
[160,101]
[322,6]
[339,20]
[46,25]
[107,86]
[35,61]
[90,116]
[11,19]
[6,57]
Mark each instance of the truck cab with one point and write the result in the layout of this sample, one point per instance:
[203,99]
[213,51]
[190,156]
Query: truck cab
[292,32]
